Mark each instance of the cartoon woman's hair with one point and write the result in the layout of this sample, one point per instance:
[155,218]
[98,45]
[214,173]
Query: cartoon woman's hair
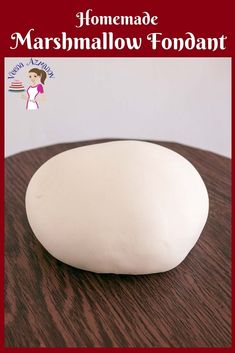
[40,73]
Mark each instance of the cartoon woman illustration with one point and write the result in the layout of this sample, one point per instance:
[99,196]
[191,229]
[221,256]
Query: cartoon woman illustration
[37,78]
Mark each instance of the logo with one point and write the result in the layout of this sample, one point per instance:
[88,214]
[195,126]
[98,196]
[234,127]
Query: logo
[32,88]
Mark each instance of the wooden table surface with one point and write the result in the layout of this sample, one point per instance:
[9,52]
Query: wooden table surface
[50,304]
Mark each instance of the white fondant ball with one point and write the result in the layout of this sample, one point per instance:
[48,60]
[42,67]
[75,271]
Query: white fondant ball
[125,207]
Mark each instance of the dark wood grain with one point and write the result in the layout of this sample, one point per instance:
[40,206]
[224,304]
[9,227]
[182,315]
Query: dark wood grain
[50,304]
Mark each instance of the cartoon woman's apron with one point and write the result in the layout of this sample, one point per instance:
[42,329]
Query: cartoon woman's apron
[32,94]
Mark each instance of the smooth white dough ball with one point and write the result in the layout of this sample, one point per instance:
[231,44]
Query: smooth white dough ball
[126,207]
